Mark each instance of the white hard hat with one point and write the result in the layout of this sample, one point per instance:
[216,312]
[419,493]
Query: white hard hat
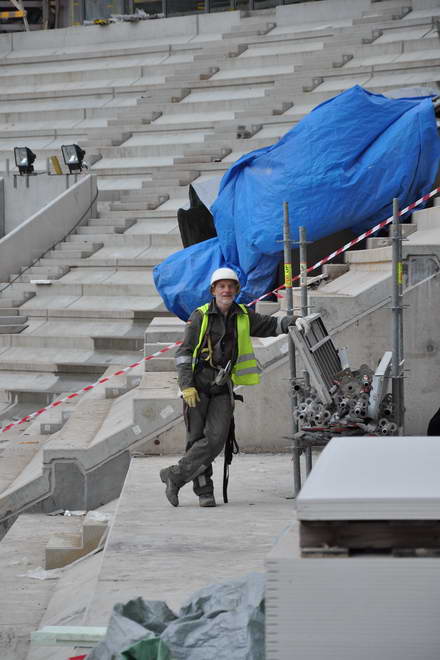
[224,274]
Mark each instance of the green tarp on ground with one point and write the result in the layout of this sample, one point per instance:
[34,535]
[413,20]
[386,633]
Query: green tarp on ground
[147,649]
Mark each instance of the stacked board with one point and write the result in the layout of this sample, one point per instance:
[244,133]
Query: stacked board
[371,602]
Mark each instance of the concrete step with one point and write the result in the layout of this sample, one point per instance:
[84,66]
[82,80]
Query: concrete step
[50,341]
[154,347]
[59,288]
[9,311]
[332,271]
[104,229]
[152,201]
[383,241]
[54,420]
[14,319]
[22,288]
[42,273]
[28,277]
[155,188]
[65,252]
[427,218]
[95,307]
[108,240]
[11,328]
[123,223]
[7,303]
[83,240]
[29,391]
[113,257]
[161,364]
[71,362]
[64,548]
[161,329]
[370,259]
[120,385]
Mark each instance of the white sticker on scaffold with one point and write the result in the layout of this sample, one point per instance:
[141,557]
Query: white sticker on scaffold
[136,430]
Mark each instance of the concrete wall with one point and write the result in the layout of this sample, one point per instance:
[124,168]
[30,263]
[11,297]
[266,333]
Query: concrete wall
[23,196]
[48,226]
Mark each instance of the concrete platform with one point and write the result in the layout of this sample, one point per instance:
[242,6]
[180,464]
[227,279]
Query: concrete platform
[143,555]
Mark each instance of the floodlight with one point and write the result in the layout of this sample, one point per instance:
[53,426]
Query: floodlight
[24,158]
[73,157]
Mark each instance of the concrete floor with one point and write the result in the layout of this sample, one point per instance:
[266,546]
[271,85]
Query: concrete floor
[160,552]
[153,550]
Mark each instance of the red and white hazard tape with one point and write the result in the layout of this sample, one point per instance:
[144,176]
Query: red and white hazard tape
[331,256]
[69,397]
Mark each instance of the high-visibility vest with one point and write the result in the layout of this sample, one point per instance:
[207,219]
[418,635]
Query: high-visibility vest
[246,370]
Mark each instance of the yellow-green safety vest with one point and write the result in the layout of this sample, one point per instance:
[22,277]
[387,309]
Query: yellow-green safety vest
[246,370]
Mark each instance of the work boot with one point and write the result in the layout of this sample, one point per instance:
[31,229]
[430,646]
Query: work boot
[171,490]
[207,500]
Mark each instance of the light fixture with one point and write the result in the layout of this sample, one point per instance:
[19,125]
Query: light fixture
[73,157]
[24,158]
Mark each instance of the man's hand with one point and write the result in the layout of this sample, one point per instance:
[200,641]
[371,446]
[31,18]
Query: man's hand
[191,396]
[286,322]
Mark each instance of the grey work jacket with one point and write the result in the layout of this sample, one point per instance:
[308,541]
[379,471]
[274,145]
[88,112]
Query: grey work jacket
[222,330]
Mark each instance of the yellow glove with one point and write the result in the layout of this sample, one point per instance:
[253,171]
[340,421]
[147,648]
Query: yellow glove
[191,396]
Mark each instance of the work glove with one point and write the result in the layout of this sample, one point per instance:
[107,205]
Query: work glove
[190,396]
[286,322]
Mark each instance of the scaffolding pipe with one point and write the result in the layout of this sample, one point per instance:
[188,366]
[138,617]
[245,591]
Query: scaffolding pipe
[303,271]
[291,346]
[304,312]
[397,324]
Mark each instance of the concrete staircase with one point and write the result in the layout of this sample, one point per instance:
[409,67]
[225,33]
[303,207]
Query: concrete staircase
[63,548]
[11,321]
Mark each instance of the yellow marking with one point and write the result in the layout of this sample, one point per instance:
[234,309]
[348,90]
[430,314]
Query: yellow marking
[12,14]
[399,272]
[56,165]
[288,275]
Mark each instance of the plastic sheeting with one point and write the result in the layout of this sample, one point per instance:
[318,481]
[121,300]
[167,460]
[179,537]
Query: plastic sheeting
[221,621]
[148,649]
[338,168]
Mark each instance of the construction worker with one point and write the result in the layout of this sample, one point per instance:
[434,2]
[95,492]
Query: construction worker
[215,355]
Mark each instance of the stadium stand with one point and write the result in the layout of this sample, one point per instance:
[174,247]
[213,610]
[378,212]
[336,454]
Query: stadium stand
[158,105]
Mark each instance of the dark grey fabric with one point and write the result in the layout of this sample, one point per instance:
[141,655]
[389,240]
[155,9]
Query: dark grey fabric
[207,429]
[221,621]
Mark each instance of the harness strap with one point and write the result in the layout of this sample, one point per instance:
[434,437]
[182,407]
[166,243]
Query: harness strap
[231,448]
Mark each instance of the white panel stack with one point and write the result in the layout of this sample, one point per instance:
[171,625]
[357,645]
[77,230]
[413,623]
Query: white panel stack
[370,606]
[374,478]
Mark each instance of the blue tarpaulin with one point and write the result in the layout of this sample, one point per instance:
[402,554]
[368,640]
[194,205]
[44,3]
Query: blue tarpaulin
[338,168]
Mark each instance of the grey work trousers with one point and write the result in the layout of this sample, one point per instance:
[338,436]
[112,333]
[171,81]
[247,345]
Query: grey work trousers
[208,427]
